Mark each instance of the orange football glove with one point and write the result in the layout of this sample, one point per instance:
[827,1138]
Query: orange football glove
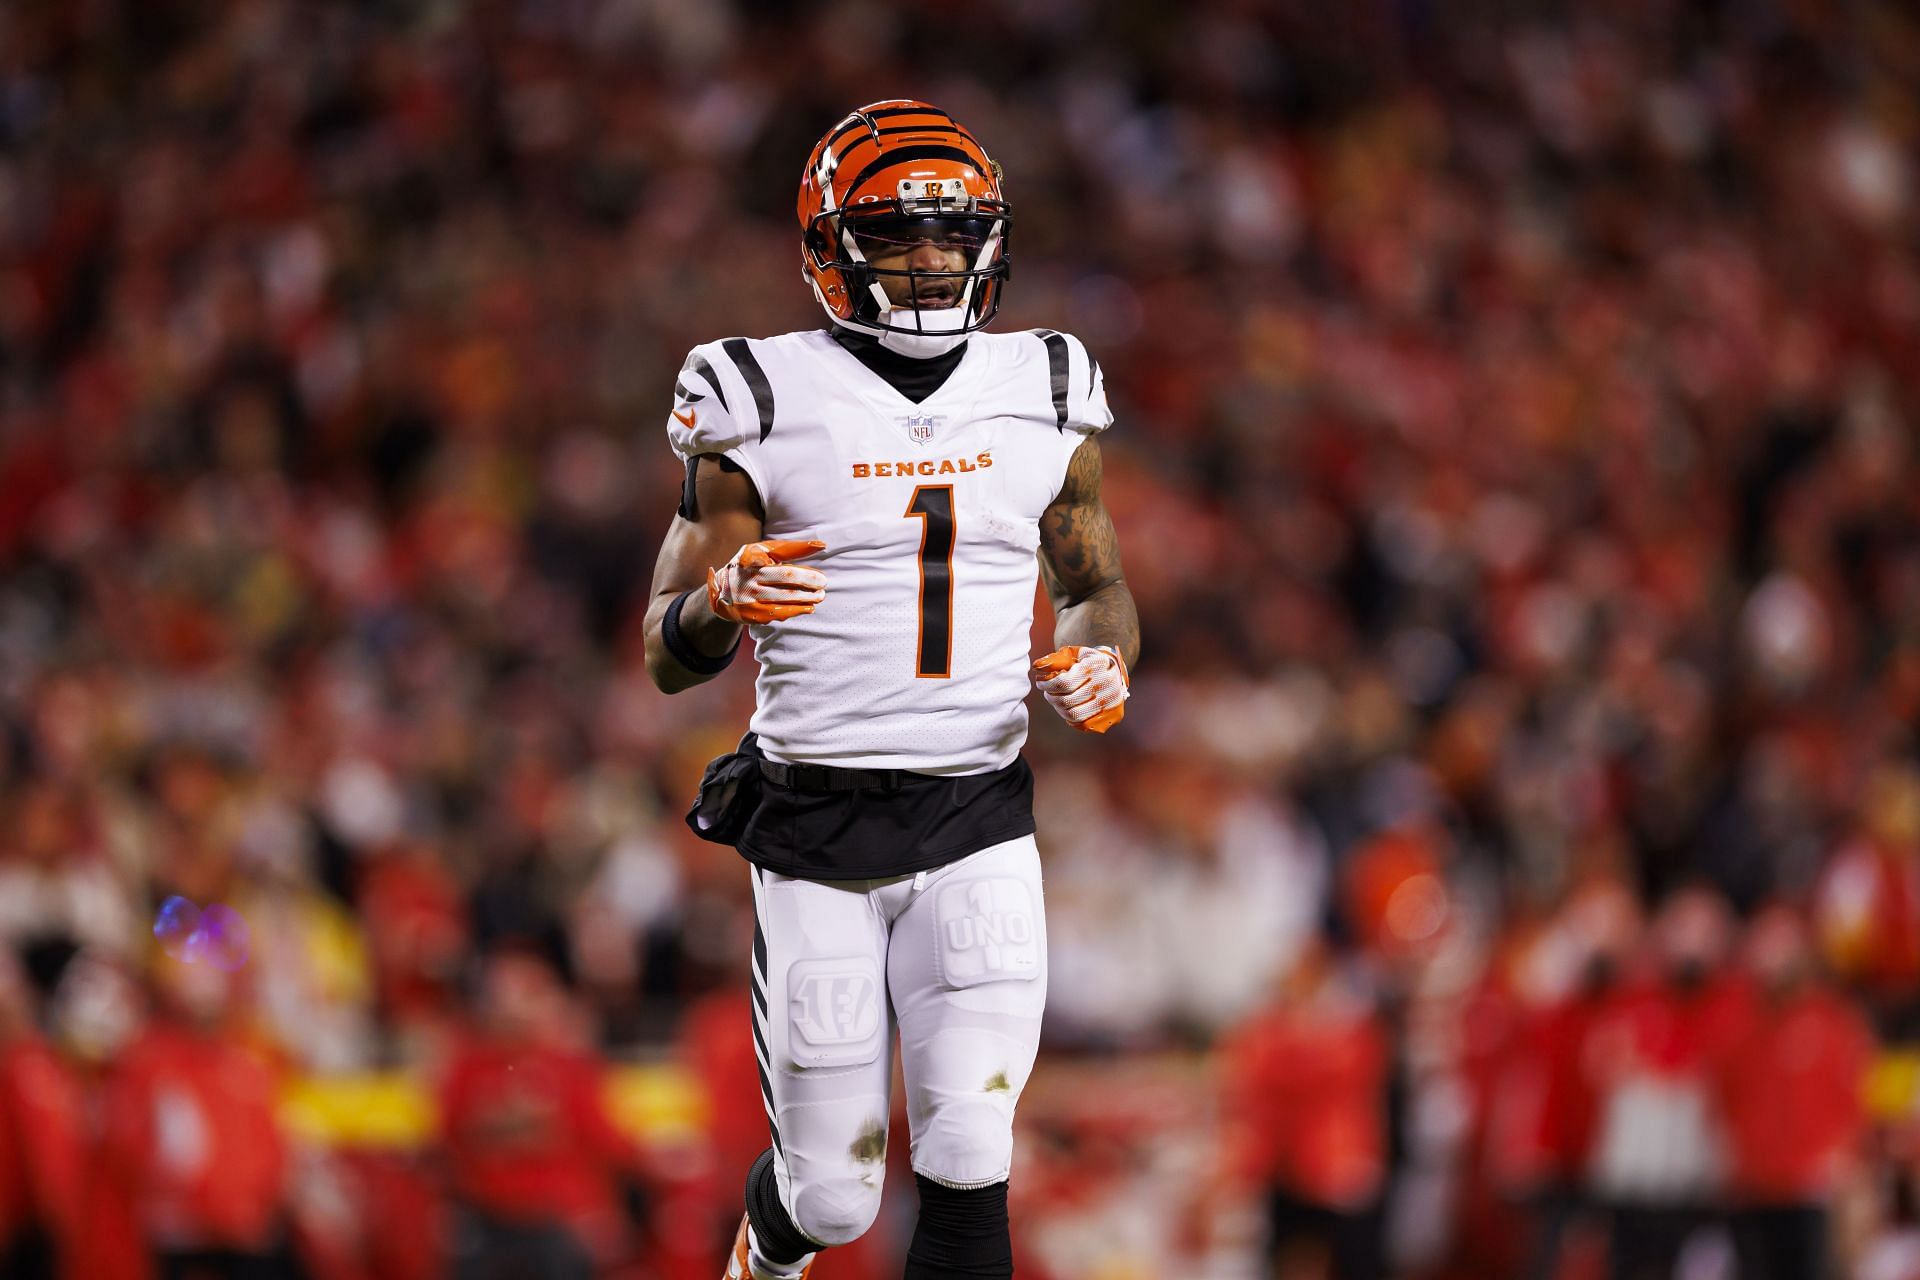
[1088,686]
[758,585]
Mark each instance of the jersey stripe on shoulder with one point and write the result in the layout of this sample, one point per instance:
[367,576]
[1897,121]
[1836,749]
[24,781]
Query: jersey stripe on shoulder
[1057,370]
[756,379]
[698,364]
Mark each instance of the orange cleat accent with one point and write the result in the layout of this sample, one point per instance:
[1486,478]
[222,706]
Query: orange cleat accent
[737,1266]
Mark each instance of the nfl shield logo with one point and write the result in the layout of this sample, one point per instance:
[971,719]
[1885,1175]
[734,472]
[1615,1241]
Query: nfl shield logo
[920,427]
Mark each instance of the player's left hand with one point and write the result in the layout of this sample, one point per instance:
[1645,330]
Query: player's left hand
[1085,684]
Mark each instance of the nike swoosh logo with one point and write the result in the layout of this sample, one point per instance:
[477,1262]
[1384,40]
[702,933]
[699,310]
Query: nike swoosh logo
[688,418]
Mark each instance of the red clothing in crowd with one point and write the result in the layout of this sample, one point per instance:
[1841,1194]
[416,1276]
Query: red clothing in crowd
[113,1246]
[196,1118]
[1867,912]
[528,1136]
[1649,1061]
[186,1152]
[716,1040]
[416,919]
[1791,1092]
[1306,1102]
[1503,1066]
[395,1207]
[1660,1028]
[1559,1133]
[41,1145]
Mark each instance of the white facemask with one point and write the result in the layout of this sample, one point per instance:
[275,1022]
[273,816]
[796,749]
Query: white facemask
[939,331]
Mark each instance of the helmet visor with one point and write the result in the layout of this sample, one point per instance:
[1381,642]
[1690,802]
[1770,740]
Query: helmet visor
[884,235]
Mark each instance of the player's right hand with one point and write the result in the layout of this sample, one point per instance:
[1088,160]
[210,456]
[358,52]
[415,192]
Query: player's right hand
[759,585]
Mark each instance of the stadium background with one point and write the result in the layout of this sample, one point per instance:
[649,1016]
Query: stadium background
[1516,473]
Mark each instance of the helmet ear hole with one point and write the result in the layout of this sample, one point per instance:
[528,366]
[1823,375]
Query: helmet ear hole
[820,247]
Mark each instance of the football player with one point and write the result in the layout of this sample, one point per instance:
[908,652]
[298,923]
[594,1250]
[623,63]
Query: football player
[868,500]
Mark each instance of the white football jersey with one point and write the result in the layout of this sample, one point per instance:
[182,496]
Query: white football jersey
[917,658]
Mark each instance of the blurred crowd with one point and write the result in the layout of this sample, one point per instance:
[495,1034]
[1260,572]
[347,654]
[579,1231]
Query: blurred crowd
[1512,851]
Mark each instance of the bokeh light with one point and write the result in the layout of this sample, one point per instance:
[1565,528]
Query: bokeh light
[217,936]
[222,940]
[175,927]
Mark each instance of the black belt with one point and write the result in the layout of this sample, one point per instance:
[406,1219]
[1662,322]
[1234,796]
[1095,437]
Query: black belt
[822,777]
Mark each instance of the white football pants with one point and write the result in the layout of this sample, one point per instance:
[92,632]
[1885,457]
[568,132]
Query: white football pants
[956,958]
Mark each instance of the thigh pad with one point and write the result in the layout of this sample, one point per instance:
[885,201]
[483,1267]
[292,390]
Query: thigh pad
[835,1011]
[989,931]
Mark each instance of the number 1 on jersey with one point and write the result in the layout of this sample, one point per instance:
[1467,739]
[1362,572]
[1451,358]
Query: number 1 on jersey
[933,503]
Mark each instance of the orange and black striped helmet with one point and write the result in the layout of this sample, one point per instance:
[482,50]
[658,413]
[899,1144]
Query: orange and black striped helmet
[896,173]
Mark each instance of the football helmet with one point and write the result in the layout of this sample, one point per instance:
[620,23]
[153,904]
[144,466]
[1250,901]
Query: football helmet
[899,173]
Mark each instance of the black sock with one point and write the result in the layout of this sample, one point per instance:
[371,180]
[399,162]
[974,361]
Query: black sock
[773,1229]
[961,1235]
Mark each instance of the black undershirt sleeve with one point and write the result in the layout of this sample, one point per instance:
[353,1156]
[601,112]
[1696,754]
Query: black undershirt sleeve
[688,509]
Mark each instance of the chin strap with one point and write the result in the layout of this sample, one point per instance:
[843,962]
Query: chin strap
[920,346]
[921,343]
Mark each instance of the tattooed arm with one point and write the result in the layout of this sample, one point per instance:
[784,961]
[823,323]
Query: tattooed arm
[1080,561]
